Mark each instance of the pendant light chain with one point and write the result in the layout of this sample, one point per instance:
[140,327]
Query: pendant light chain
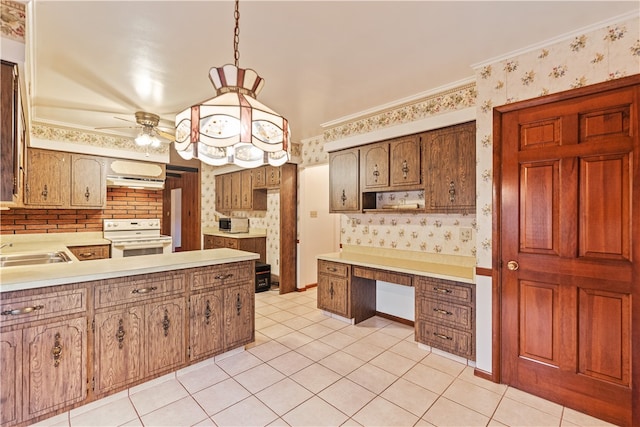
[236,34]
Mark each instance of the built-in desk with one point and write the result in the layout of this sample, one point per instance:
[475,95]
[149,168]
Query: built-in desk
[444,291]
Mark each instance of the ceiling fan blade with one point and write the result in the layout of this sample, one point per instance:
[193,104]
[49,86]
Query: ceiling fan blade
[117,127]
[165,135]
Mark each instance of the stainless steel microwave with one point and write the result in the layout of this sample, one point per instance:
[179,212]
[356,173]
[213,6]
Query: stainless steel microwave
[234,225]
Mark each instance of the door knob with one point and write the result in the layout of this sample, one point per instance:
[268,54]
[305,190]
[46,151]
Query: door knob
[513,265]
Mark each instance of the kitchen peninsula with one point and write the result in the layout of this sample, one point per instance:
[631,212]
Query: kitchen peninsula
[71,333]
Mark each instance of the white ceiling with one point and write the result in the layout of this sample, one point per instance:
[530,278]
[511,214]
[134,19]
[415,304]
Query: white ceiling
[321,60]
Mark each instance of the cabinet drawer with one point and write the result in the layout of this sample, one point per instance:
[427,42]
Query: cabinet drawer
[444,289]
[84,253]
[384,275]
[225,274]
[456,315]
[137,288]
[218,242]
[231,243]
[333,268]
[445,338]
[20,309]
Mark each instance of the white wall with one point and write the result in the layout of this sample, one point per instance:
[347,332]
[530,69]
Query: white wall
[319,231]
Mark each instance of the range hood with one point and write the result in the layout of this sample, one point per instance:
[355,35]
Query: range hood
[132,174]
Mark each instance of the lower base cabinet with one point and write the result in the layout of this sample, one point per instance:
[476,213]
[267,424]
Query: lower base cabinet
[334,288]
[43,369]
[137,327]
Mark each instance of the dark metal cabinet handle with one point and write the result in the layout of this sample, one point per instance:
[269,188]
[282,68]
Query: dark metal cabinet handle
[45,192]
[405,169]
[207,313]
[331,291]
[238,304]
[24,310]
[343,198]
[166,323]
[120,334]
[442,336]
[376,173]
[452,192]
[223,276]
[144,290]
[56,351]
[87,194]
[441,311]
[442,290]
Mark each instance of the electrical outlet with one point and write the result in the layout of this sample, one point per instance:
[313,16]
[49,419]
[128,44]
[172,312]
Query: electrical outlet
[465,234]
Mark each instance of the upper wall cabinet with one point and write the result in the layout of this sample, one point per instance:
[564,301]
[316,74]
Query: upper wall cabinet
[55,179]
[391,165]
[450,169]
[441,164]
[12,136]
[344,189]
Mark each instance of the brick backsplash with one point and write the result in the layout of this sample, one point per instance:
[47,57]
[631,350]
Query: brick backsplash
[121,203]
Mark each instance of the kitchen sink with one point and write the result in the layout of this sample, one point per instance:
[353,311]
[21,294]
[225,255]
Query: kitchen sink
[34,258]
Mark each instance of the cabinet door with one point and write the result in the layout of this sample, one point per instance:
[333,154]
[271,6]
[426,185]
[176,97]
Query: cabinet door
[11,374]
[209,242]
[10,112]
[226,192]
[238,315]
[206,336]
[88,181]
[165,343]
[247,190]
[47,178]
[273,176]
[260,177]
[333,294]
[450,160]
[405,162]
[55,366]
[219,193]
[374,167]
[118,348]
[236,190]
[344,187]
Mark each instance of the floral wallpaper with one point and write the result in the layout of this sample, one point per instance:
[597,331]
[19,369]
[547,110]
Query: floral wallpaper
[607,53]
[12,22]
[96,139]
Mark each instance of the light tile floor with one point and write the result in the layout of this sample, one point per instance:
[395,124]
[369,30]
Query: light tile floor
[308,369]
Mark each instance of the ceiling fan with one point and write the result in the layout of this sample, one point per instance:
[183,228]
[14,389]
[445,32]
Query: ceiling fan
[149,129]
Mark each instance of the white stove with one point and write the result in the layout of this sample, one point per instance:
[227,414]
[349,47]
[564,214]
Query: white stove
[133,237]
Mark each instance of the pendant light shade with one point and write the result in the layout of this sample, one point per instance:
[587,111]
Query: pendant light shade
[233,127]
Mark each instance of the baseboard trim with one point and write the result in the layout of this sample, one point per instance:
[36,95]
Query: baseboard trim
[395,318]
[312,285]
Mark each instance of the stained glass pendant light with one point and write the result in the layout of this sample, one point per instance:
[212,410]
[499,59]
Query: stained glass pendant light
[233,127]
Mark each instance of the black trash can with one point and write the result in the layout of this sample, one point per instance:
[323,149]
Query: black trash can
[263,277]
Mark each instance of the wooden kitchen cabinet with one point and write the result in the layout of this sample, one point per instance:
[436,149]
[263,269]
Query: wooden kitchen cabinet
[221,313]
[89,252]
[344,187]
[334,288]
[43,344]
[256,245]
[266,177]
[119,342]
[246,190]
[236,191]
[88,181]
[374,166]
[12,136]
[55,179]
[450,169]
[47,178]
[227,188]
[206,335]
[165,336]
[219,180]
[445,315]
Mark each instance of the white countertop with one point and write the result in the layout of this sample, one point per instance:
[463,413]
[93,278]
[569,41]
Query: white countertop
[449,267]
[37,276]
[254,232]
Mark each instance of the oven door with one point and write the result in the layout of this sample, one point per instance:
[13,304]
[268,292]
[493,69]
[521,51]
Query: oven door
[120,249]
